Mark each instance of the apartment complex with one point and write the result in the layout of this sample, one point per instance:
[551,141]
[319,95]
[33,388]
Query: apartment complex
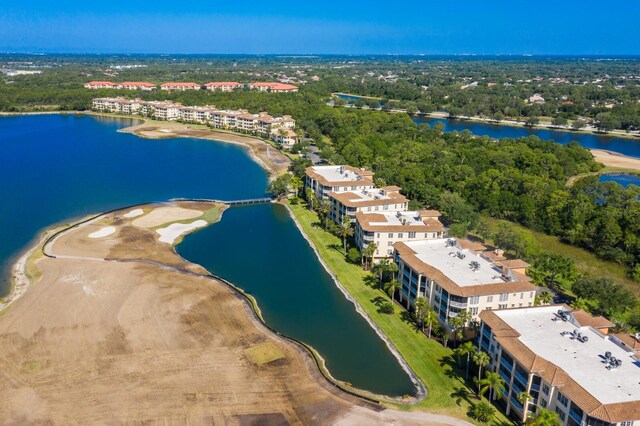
[223,86]
[138,85]
[346,203]
[454,276]
[273,87]
[102,85]
[568,363]
[326,179]
[387,228]
[279,129]
[180,86]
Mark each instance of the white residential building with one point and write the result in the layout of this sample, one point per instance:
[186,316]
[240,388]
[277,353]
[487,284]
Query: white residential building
[326,179]
[345,204]
[566,360]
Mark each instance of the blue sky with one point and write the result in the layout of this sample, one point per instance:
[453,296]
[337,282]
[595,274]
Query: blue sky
[350,27]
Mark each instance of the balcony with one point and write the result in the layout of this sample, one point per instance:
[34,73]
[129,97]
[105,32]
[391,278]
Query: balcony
[506,364]
[369,238]
[457,304]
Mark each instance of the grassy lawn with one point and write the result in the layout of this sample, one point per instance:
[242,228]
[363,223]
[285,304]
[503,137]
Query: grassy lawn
[585,261]
[447,392]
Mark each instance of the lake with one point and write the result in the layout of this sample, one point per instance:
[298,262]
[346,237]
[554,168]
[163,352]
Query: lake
[626,146]
[60,167]
[623,179]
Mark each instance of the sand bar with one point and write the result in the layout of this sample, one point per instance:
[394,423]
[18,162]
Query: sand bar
[614,159]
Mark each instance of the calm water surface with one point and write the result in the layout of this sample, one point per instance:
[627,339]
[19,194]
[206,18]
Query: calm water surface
[626,146]
[624,180]
[59,167]
[260,249]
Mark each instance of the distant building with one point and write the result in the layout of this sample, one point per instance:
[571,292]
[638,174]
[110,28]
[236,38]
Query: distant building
[279,129]
[567,361]
[180,86]
[223,86]
[138,85]
[536,99]
[273,87]
[326,179]
[387,228]
[102,85]
[454,276]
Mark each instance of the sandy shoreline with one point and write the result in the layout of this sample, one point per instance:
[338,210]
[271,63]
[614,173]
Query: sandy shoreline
[615,159]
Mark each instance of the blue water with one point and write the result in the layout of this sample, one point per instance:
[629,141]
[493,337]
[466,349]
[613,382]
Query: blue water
[630,147]
[622,179]
[260,249]
[59,167]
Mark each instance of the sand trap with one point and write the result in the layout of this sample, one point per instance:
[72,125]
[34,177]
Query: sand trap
[134,213]
[173,231]
[163,215]
[107,230]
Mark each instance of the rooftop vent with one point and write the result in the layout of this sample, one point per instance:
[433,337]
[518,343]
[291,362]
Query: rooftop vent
[450,242]
[475,266]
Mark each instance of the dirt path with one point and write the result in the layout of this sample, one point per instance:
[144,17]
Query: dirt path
[120,329]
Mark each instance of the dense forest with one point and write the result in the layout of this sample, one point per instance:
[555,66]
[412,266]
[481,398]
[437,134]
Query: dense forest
[466,177]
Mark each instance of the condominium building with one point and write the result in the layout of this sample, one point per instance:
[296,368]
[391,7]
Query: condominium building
[138,85]
[345,204]
[326,179]
[273,87]
[279,129]
[454,277]
[180,86]
[387,228]
[102,85]
[566,360]
[223,86]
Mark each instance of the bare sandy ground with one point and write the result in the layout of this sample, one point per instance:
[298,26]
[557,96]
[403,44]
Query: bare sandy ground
[122,330]
[270,158]
[161,215]
[172,232]
[613,159]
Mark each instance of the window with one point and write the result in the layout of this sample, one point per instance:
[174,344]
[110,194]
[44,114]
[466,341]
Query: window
[543,404]
[504,297]
[627,423]
[473,300]
[488,308]
[489,299]
[368,209]
[385,207]
[563,399]
[560,413]
[399,234]
[378,235]
[545,389]
[390,234]
[412,234]
[474,311]
[376,208]
[521,295]
[389,243]
[502,306]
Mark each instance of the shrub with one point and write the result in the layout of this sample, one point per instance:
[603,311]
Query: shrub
[482,411]
[387,308]
[353,255]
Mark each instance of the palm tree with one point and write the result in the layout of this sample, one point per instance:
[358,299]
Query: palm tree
[346,230]
[391,287]
[430,318]
[524,398]
[467,349]
[324,208]
[393,268]
[482,411]
[580,303]
[311,198]
[296,184]
[421,310]
[544,298]
[380,268]
[481,359]
[494,383]
[368,253]
[544,417]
